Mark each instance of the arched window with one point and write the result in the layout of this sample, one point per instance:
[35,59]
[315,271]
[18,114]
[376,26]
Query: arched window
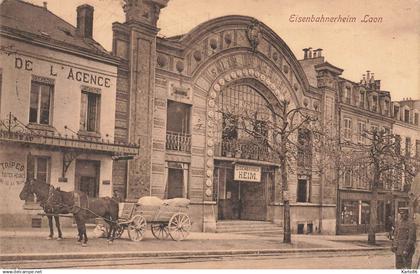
[244,116]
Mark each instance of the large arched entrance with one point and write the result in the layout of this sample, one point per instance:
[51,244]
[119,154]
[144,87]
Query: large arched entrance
[244,172]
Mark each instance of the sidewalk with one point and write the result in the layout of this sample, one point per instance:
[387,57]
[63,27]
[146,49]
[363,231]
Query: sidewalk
[31,244]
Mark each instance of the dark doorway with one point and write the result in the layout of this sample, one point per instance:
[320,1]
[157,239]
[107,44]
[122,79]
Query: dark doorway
[87,177]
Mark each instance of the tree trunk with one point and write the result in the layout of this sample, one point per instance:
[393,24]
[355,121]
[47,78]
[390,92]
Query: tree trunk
[287,238]
[373,209]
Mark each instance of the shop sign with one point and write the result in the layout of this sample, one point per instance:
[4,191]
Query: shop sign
[12,173]
[247,173]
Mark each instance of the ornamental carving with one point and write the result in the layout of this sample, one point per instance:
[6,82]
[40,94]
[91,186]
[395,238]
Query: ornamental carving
[253,33]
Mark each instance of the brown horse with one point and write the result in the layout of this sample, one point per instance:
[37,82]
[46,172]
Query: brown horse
[84,208]
[42,190]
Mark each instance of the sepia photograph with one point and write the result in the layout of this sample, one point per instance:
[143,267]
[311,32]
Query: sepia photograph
[218,135]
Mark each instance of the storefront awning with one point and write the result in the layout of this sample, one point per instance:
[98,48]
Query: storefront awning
[55,140]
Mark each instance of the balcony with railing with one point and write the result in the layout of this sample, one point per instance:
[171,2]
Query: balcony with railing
[178,141]
[244,149]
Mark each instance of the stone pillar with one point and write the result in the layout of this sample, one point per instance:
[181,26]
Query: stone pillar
[141,19]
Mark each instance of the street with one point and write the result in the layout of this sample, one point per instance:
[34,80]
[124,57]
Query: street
[377,260]
[357,259]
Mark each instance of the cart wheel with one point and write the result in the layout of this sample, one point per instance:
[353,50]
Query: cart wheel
[160,231]
[179,226]
[137,228]
[119,232]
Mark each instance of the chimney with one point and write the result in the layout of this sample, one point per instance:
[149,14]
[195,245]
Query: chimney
[368,75]
[305,53]
[310,53]
[85,21]
[378,84]
[45,3]
[319,52]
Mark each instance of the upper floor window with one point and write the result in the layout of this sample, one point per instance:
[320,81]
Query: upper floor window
[397,112]
[304,148]
[89,112]
[361,128]
[374,103]
[398,143]
[348,177]
[406,115]
[362,99]
[407,146]
[418,148]
[347,129]
[178,126]
[416,119]
[40,103]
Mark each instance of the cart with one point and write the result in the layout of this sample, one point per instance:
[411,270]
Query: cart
[165,221]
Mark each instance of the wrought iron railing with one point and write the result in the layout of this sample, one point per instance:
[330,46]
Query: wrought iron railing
[13,130]
[245,149]
[178,141]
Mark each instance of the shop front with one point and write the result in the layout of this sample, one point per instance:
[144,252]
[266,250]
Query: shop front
[354,211]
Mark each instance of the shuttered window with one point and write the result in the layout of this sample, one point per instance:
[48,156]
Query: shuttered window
[40,103]
[89,112]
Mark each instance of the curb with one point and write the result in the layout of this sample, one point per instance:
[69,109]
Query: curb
[177,254]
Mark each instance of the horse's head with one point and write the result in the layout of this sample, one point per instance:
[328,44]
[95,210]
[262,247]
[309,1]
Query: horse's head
[27,189]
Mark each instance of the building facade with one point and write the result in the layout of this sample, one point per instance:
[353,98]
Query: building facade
[69,110]
[171,93]
[57,108]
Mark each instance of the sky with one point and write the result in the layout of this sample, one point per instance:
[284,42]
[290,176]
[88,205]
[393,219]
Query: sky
[390,49]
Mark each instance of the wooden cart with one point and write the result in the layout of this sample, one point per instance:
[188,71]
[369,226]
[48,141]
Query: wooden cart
[165,221]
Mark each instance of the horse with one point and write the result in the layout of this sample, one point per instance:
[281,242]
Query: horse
[42,190]
[84,208]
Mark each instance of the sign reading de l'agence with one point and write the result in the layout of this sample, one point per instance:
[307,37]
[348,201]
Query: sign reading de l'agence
[247,173]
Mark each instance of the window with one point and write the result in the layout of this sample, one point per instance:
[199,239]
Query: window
[362,99]
[374,103]
[89,112]
[349,212]
[416,115]
[40,103]
[398,143]
[361,128]
[303,191]
[408,146]
[348,180]
[418,148]
[178,135]
[406,115]
[347,129]
[177,180]
[305,148]
[386,108]
[397,112]
[347,95]
[38,168]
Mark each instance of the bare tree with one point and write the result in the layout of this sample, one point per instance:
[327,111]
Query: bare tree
[381,157]
[278,134]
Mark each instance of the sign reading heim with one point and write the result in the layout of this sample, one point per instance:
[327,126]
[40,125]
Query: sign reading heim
[247,173]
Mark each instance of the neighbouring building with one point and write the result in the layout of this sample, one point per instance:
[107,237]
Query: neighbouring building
[407,129]
[57,107]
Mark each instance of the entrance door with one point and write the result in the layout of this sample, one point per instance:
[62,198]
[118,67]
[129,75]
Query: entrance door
[87,177]
[253,201]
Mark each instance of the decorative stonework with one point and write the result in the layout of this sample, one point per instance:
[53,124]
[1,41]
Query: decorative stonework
[254,35]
